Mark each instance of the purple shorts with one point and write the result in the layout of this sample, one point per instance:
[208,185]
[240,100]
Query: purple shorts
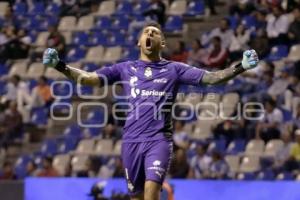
[144,161]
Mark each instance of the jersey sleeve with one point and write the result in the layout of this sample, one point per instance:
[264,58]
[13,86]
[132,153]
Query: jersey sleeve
[111,74]
[188,74]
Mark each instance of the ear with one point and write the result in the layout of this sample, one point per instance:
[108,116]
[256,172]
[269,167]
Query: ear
[163,43]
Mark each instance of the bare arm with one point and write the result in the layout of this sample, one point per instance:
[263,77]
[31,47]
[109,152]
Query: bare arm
[221,76]
[78,75]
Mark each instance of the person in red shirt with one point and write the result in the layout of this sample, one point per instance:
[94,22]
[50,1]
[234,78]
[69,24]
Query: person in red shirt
[179,54]
[48,170]
[218,55]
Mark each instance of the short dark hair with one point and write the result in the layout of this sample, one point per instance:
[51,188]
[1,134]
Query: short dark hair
[152,23]
[217,38]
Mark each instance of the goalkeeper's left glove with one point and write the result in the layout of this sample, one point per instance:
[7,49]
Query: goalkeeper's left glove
[250,59]
[50,57]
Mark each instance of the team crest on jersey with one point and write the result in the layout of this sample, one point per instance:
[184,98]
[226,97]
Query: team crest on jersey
[148,72]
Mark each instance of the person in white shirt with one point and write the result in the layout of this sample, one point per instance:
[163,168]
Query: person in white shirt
[200,163]
[224,32]
[269,127]
[277,25]
[239,42]
[14,87]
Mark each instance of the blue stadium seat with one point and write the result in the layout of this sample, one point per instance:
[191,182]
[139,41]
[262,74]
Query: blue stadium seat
[98,38]
[90,67]
[80,39]
[140,7]
[236,146]
[84,90]
[102,23]
[219,145]
[75,54]
[67,144]
[195,8]
[249,22]
[174,24]
[63,89]
[234,21]
[3,69]
[39,116]
[20,166]
[285,176]
[120,23]
[53,9]
[116,39]
[73,130]
[20,8]
[287,115]
[2,87]
[63,108]
[38,9]
[123,8]
[34,23]
[266,175]
[49,147]
[96,116]
[278,52]
[248,176]
[130,54]
[92,132]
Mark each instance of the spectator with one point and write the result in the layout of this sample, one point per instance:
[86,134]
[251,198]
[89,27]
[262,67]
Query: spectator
[12,124]
[31,169]
[228,130]
[76,8]
[218,168]
[239,42]
[294,29]
[277,26]
[210,4]
[8,172]
[179,54]
[180,137]
[242,8]
[223,31]
[56,40]
[283,154]
[200,163]
[180,167]
[293,163]
[119,172]
[280,85]
[260,18]
[110,131]
[260,43]
[47,169]
[292,94]
[14,88]
[217,56]
[196,54]
[40,97]
[269,127]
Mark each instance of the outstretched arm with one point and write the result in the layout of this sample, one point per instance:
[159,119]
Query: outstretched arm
[250,60]
[50,59]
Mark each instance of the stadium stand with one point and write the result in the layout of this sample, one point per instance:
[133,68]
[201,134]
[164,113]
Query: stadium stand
[102,38]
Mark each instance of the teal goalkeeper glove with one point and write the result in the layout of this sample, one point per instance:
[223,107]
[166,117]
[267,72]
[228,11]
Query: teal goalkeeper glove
[50,57]
[250,59]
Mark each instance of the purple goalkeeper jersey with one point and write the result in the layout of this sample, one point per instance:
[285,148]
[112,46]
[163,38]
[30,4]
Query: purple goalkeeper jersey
[150,89]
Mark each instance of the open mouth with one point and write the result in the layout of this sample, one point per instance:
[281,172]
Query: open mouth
[148,43]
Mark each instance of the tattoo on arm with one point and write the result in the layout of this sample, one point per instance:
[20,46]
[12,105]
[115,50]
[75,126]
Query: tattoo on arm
[221,76]
[77,75]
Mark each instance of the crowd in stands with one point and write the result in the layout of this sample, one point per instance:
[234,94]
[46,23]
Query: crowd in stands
[271,27]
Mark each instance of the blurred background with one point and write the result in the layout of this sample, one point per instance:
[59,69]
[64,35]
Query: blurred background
[39,131]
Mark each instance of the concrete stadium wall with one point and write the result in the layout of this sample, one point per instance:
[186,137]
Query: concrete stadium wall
[77,189]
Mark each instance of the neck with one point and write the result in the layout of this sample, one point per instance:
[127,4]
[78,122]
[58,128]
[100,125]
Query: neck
[150,58]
